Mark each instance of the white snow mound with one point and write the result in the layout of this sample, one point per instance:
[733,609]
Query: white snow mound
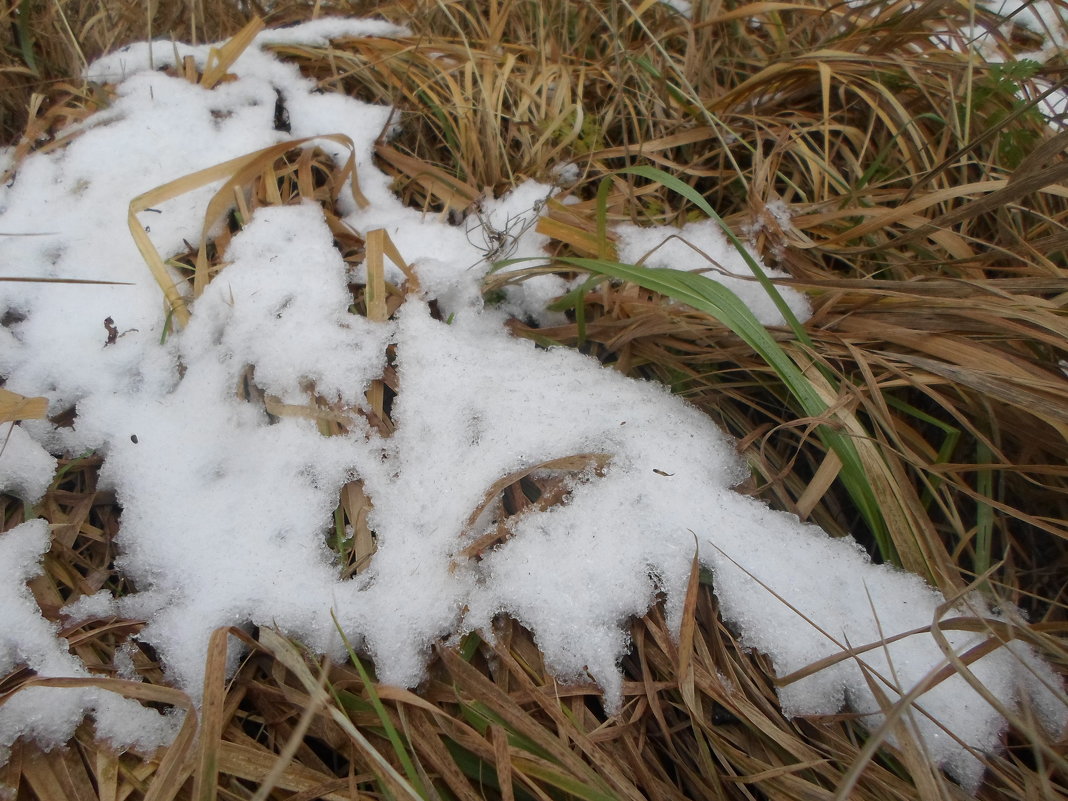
[226,509]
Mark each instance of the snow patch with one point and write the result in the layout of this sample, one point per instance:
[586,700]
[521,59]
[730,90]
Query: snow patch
[226,507]
[702,247]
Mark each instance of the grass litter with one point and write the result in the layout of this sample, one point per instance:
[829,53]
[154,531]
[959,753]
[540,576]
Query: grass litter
[226,505]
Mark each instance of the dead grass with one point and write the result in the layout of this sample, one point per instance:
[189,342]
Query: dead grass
[928,225]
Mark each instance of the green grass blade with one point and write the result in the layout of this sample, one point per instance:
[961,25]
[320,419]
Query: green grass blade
[400,748]
[570,785]
[691,194]
[573,301]
[713,298]
[945,450]
[602,217]
[481,716]
[984,513]
[25,36]
[483,772]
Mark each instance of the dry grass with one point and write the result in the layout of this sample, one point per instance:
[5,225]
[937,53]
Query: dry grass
[928,225]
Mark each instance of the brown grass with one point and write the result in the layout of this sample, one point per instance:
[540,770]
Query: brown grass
[929,228]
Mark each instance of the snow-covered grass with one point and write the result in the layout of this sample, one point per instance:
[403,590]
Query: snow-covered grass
[240,317]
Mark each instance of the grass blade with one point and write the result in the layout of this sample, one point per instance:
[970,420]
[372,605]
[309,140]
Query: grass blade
[713,298]
[691,194]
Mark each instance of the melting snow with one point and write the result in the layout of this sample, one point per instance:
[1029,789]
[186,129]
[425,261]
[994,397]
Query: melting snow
[225,510]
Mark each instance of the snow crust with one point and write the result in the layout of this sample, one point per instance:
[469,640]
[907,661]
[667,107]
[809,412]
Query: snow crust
[226,509]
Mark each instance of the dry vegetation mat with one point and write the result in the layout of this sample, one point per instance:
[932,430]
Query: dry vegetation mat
[533,400]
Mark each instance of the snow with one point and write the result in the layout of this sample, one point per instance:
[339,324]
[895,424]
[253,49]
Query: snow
[320,32]
[50,715]
[1046,19]
[566,173]
[1041,19]
[226,508]
[683,8]
[26,468]
[702,247]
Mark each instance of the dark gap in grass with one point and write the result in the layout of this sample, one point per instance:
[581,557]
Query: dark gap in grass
[334,758]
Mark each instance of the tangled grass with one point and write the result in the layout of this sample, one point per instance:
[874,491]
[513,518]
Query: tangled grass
[913,189]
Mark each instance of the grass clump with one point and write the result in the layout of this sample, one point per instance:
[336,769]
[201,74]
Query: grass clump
[914,191]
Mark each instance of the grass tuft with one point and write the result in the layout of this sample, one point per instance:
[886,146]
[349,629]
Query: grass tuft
[913,191]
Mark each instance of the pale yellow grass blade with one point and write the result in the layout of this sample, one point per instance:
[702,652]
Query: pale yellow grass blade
[18,407]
